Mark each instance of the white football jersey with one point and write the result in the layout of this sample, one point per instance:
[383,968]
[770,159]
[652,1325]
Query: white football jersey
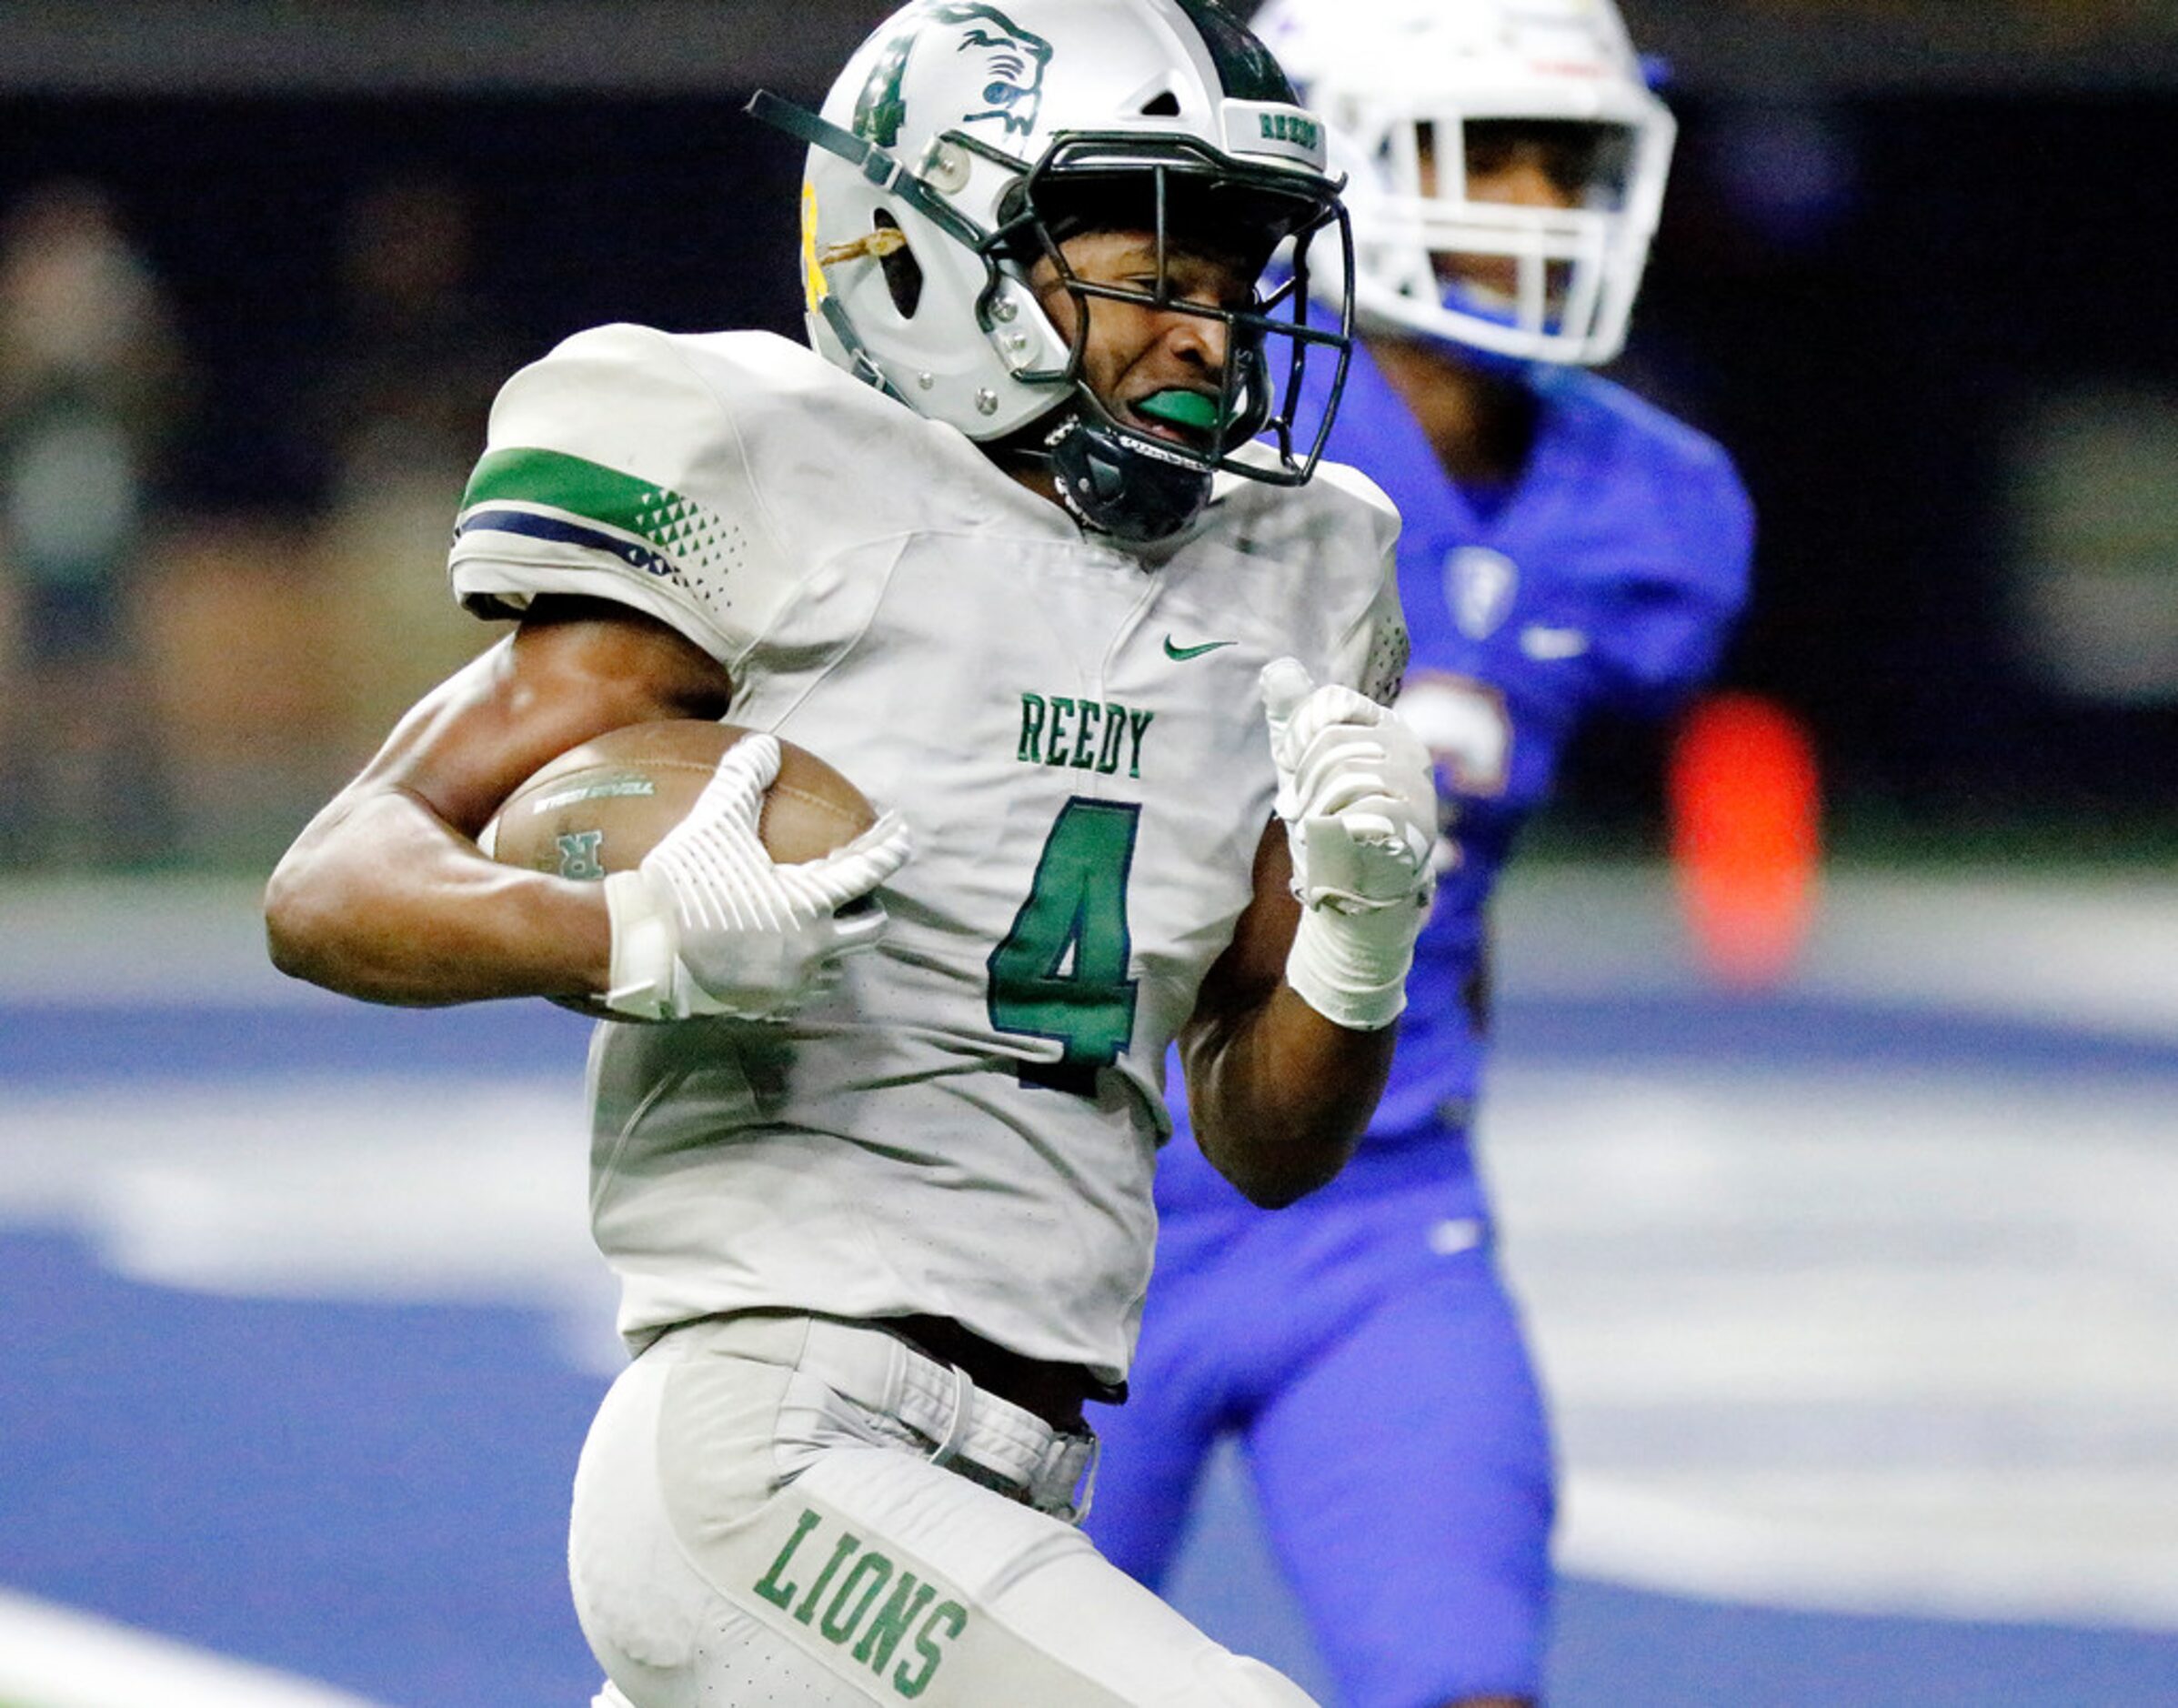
[966,1126]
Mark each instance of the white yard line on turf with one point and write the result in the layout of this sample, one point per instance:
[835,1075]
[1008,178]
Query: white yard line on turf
[54,1657]
[2099,945]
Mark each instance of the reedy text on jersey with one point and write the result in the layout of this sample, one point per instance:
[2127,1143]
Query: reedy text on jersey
[1084,734]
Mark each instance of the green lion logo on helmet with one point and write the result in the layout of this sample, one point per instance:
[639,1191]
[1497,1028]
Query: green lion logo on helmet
[1012,63]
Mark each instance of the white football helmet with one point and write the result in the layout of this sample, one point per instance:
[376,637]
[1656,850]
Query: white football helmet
[1401,81]
[965,140]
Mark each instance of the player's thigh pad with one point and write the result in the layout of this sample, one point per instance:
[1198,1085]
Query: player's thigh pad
[738,1538]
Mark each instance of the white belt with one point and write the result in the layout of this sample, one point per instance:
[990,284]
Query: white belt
[970,1429]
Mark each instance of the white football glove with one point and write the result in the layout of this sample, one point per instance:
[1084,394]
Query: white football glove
[1359,799]
[709,924]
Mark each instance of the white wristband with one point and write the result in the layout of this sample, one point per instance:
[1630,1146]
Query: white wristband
[645,960]
[1351,968]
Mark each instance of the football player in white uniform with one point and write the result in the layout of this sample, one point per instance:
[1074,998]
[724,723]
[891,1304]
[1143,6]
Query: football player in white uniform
[1024,546]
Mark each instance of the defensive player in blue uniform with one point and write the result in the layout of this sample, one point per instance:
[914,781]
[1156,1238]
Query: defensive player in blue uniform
[1567,549]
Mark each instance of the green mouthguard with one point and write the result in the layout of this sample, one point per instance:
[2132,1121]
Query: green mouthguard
[1181,410]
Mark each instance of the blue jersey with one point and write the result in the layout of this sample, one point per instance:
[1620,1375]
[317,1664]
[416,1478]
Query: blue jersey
[1606,579]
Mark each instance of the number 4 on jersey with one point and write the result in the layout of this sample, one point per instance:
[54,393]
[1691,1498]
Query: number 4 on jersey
[1061,970]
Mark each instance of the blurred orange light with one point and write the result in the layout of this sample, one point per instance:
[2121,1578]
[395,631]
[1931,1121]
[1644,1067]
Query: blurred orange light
[1746,836]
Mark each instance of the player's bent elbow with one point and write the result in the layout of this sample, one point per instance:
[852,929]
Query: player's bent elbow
[1274,1194]
[311,942]
[1276,1190]
[297,926]
[1273,1178]
[311,933]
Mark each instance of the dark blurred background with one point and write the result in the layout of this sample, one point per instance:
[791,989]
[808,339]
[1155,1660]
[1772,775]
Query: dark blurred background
[262,267]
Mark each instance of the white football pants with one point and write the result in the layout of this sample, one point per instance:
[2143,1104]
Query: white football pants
[754,1524]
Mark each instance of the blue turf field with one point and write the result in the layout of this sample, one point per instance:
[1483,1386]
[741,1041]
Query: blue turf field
[251,1402]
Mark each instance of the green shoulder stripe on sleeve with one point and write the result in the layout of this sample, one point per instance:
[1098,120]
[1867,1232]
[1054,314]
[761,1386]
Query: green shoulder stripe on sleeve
[697,540]
[524,475]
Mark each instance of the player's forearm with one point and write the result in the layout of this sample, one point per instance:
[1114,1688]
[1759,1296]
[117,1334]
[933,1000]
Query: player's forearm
[1280,1096]
[381,899]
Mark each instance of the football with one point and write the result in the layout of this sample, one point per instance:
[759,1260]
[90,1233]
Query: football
[600,807]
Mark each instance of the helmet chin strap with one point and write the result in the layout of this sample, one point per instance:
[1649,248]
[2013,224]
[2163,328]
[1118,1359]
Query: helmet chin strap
[1117,487]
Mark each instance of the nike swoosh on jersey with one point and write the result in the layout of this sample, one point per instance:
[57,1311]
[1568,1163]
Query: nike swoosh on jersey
[1172,651]
[1540,640]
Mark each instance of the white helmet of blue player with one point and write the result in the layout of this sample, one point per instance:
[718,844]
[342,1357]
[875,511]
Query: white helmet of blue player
[1411,88]
[964,140]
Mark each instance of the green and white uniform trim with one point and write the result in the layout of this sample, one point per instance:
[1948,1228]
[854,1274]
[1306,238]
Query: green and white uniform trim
[514,489]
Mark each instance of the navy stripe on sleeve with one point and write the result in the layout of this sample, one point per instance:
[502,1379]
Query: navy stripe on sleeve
[536,527]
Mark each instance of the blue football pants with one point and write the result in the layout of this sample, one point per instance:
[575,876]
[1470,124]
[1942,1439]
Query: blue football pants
[1367,1355]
